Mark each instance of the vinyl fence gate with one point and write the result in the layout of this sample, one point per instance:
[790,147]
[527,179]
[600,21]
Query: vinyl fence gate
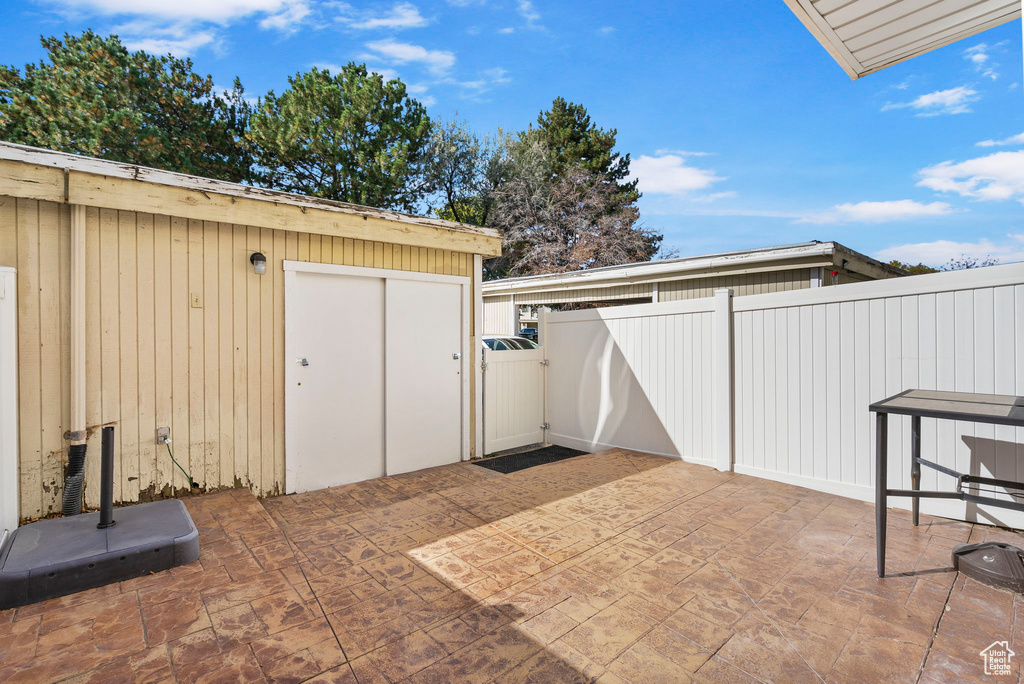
[513,398]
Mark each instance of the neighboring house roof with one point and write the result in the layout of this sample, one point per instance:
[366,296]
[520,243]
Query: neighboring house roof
[806,254]
[37,173]
[865,36]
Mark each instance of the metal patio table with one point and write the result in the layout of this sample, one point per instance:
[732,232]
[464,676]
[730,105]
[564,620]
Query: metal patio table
[996,409]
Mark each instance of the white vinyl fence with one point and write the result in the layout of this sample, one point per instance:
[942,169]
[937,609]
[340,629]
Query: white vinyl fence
[513,398]
[634,376]
[8,403]
[778,385]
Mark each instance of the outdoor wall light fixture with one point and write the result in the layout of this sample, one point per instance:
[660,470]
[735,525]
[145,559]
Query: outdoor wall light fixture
[259,263]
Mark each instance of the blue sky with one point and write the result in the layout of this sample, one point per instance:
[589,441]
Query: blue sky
[743,131]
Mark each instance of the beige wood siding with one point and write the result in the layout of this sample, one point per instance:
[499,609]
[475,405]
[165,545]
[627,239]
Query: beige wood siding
[214,372]
[594,294]
[753,283]
[498,316]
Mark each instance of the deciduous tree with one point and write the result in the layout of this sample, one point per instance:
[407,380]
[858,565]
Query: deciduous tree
[554,226]
[464,171]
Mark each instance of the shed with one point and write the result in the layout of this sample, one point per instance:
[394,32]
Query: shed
[139,305]
[513,302]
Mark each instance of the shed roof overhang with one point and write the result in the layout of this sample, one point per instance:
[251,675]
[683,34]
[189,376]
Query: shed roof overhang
[34,173]
[865,36]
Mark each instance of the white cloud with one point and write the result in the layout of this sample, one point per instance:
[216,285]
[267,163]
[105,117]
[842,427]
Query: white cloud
[487,80]
[438,62]
[714,196]
[978,55]
[428,101]
[288,19]
[940,252]
[1012,140]
[951,101]
[529,13]
[402,16]
[669,174]
[507,30]
[878,212]
[605,30]
[683,153]
[179,47]
[181,27]
[998,176]
[218,11]
[497,75]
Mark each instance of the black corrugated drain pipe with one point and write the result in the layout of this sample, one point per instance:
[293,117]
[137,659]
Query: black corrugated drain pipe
[72,502]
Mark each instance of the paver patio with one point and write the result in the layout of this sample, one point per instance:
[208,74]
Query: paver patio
[612,567]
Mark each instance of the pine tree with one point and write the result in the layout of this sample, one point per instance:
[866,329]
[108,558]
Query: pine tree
[349,137]
[576,145]
[97,98]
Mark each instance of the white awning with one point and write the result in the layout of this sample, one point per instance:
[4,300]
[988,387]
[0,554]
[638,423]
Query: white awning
[865,36]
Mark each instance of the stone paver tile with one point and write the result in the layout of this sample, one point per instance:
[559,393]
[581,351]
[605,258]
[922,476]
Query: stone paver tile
[151,665]
[237,666]
[671,565]
[453,635]
[543,668]
[393,570]
[549,625]
[407,656]
[292,669]
[172,619]
[282,610]
[608,633]
[339,675]
[237,626]
[697,629]
[484,660]
[357,550]
[876,659]
[18,639]
[291,640]
[193,648]
[274,556]
[641,664]
[771,664]
[251,588]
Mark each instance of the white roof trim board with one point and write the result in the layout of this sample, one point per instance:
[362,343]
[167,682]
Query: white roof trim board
[668,269]
[865,36]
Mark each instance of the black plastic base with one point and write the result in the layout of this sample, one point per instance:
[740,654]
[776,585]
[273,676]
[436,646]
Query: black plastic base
[993,563]
[52,558]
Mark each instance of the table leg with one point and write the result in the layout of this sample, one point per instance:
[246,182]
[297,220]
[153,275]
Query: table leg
[915,466]
[881,484]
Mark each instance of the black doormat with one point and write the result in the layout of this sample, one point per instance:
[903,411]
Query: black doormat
[527,459]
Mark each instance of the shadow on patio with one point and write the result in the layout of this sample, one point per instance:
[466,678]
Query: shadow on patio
[616,566]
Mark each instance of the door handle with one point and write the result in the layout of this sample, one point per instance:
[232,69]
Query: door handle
[303,361]
[456,355]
